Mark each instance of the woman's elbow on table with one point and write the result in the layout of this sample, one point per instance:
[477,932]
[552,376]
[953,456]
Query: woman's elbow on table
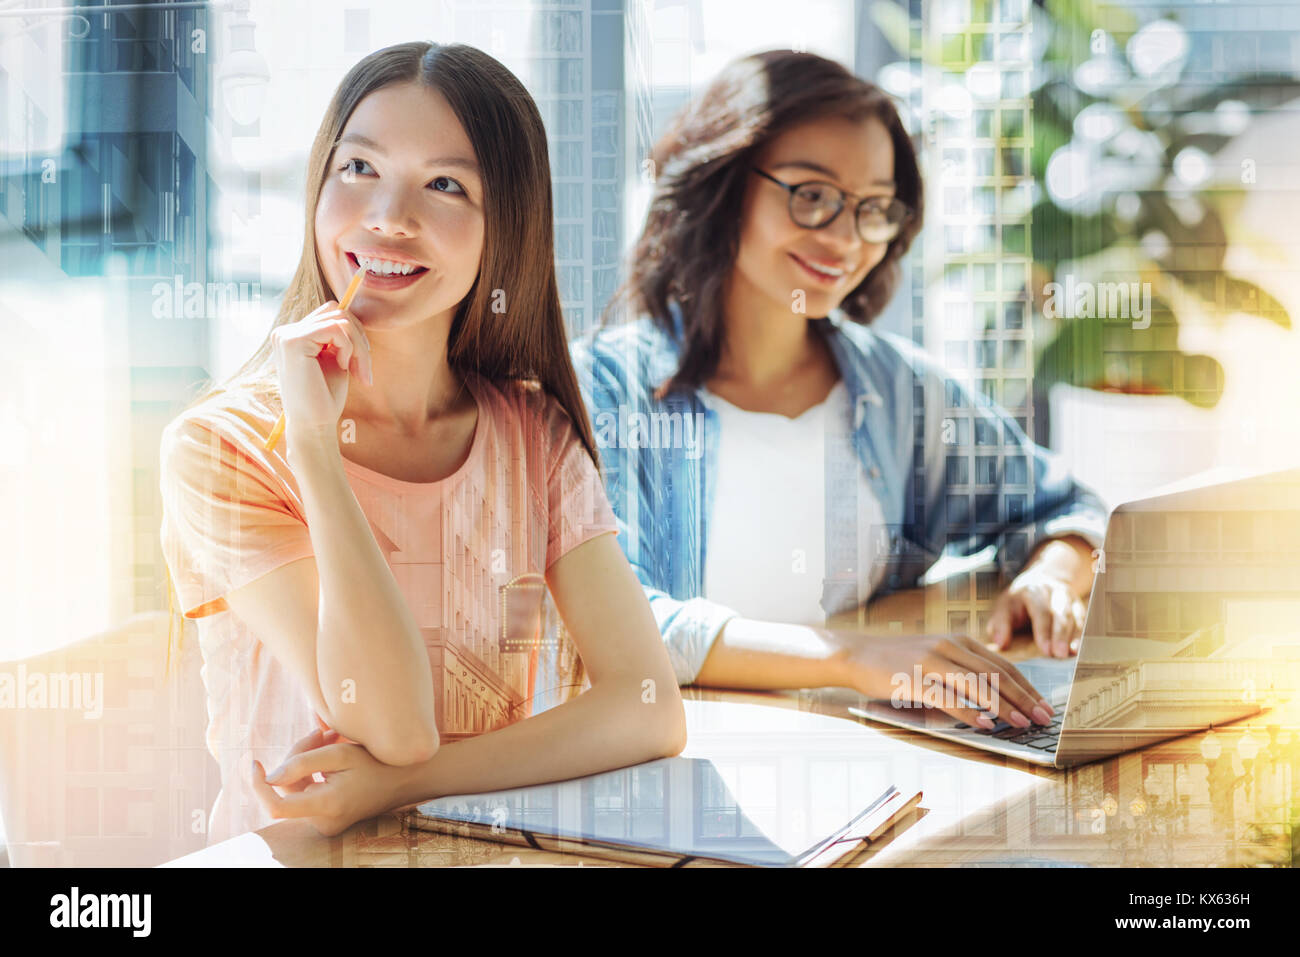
[671,726]
[414,747]
[677,740]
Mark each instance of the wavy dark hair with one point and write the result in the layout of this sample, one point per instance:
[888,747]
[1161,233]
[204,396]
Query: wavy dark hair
[691,236]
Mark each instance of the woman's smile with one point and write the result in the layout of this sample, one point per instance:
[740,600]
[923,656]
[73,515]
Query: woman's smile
[826,274]
[382,274]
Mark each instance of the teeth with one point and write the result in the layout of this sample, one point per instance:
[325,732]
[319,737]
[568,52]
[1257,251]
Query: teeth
[382,267]
[825,270]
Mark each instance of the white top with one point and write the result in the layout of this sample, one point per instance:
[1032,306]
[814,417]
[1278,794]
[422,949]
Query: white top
[766,551]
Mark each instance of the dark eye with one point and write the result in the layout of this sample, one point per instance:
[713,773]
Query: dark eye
[888,208]
[445,184]
[350,167]
[818,194]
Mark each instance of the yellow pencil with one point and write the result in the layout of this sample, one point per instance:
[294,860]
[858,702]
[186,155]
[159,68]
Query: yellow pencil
[346,301]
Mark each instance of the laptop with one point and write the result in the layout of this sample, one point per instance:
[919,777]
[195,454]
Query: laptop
[1190,625]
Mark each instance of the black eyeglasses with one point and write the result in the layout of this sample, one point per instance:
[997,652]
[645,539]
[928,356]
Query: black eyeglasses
[814,205]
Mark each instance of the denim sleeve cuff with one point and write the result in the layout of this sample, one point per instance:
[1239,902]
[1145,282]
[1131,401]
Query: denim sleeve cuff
[689,629]
[1088,525]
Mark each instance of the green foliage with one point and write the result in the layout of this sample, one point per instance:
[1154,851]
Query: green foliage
[1149,209]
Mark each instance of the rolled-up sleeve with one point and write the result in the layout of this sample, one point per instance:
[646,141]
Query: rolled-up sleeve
[987,483]
[228,517]
[689,626]
[689,629]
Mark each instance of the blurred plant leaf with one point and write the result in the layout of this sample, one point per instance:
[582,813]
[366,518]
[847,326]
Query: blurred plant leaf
[1074,356]
[1231,294]
[1244,296]
[1182,231]
[1228,200]
[1109,355]
[1206,239]
[1052,127]
[1084,16]
[1058,236]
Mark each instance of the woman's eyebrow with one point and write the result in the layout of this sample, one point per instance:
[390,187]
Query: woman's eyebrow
[825,171]
[367,142]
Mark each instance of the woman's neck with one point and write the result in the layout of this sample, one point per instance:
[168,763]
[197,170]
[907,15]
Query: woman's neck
[763,345]
[414,384]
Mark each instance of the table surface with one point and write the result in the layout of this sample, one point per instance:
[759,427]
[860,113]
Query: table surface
[1179,803]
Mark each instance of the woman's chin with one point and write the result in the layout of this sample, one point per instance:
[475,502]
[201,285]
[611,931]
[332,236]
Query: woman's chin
[807,304]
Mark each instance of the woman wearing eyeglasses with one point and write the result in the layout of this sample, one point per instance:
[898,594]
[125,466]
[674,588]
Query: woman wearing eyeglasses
[774,461]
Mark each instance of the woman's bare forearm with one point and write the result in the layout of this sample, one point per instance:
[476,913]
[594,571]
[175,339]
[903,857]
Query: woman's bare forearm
[765,656]
[768,656]
[611,725]
[371,659]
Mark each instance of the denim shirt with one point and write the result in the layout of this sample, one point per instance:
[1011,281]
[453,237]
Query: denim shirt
[909,416]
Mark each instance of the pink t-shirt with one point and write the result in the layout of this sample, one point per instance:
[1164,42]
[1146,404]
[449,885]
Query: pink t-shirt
[468,552]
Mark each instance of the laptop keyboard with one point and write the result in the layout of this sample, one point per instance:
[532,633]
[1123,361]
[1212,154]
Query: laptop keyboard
[1039,736]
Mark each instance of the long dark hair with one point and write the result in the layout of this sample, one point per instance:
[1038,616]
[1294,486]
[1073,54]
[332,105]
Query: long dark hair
[691,236]
[509,140]
[505,128]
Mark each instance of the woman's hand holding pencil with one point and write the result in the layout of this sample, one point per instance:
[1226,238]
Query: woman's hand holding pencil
[315,356]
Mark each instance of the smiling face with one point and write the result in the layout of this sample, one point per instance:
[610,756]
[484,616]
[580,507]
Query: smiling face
[778,258]
[402,196]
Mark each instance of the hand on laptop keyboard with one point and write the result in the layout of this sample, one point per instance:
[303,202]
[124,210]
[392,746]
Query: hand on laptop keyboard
[1044,595]
[1042,737]
[953,673]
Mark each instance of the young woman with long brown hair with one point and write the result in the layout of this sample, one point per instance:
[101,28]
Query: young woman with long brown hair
[821,464]
[376,584]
